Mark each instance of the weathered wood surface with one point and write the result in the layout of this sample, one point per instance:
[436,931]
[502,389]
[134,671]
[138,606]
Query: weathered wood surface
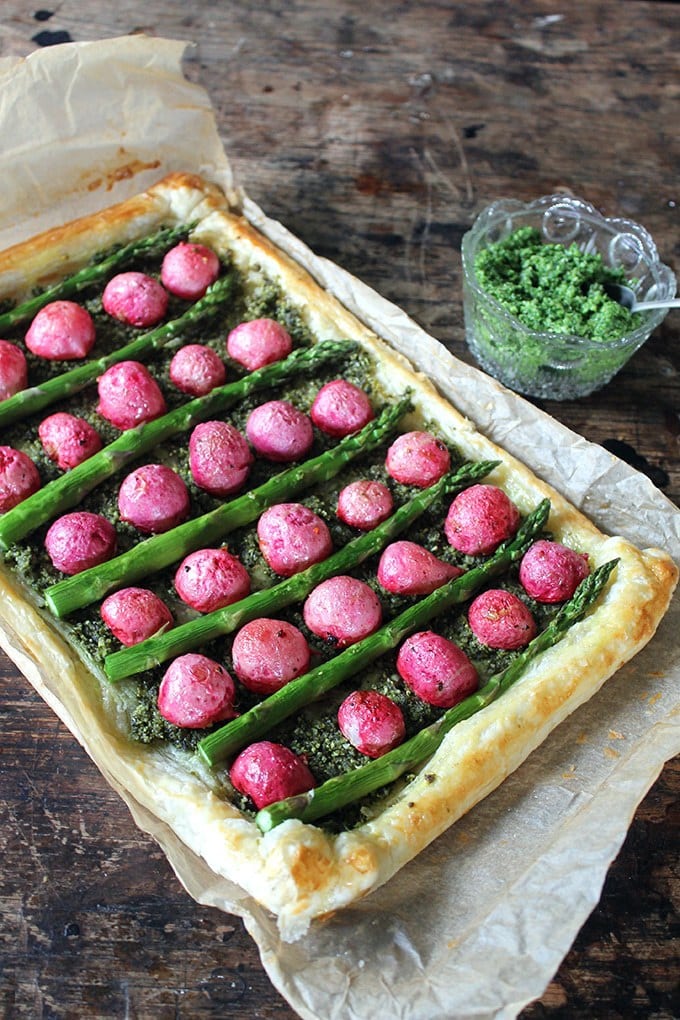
[376,132]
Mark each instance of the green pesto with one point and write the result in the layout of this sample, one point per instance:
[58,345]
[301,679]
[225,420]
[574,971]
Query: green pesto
[148,726]
[417,713]
[552,287]
[90,631]
[30,562]
[316,735]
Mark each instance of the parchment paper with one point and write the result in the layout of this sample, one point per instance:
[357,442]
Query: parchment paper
[476,926]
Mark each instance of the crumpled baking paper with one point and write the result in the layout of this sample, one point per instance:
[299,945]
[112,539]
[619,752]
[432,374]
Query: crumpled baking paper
[477,925]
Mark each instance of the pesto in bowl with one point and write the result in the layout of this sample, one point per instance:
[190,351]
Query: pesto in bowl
[536,315]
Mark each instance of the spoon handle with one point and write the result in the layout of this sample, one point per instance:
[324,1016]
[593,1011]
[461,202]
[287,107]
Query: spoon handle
[644,306]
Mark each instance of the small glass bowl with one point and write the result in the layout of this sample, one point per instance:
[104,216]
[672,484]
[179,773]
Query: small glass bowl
[557,366]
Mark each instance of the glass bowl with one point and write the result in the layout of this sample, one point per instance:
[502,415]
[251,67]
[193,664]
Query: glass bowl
[557,366]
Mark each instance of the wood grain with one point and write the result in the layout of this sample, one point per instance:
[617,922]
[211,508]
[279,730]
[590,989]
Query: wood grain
[376,132]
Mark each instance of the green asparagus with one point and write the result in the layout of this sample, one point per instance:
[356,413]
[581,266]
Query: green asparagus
[160,551]
[36,398]
[349,787]
[181,639]
[69,489]
[224,741]
[159,242]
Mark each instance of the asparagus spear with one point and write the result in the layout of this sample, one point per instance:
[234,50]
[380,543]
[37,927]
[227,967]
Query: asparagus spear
[161,550]
[348,787]
[70,488]
[160,241]
[35,398]
[183,638]
[295,695]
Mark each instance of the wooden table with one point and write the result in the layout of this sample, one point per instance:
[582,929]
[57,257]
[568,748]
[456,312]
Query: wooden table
[376,132]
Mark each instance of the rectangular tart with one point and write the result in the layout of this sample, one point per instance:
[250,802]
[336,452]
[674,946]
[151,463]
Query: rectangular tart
[298,869]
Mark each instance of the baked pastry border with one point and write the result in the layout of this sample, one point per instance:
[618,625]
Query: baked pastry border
[298,871]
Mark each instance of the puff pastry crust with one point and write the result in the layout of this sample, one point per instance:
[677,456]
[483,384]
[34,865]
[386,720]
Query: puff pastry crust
[298,871]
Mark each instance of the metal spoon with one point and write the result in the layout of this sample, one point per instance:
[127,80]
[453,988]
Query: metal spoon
[626,297]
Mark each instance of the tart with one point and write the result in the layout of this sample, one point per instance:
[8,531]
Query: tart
[283,590]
